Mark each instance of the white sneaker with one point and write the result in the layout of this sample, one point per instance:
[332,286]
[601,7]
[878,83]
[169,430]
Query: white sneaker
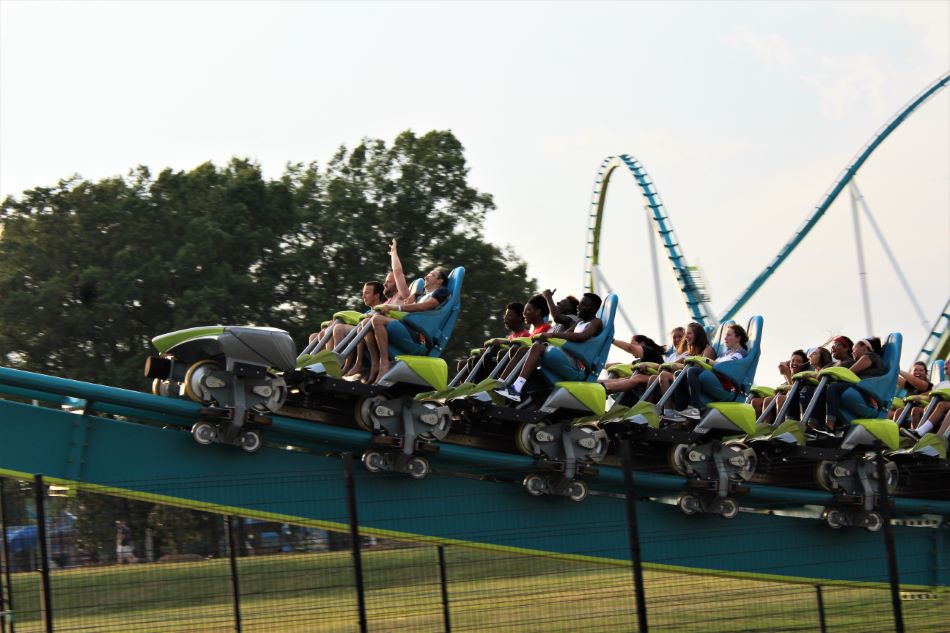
[690,412]
[511,394]
[671,415]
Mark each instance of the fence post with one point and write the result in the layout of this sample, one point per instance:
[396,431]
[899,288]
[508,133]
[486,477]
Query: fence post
[39,492]
[634,534]
[821,610]
[889,544]
[445,591]
[235,587]
[355,538]
[5,605]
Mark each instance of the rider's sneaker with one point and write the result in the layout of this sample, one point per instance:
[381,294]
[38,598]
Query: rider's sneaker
[823,433]
[671,415]
[510,394]
[908,434]
[690,412]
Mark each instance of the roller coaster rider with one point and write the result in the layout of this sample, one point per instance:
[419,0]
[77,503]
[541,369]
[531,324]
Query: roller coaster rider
[372,295]
[386,327]
[695,343]
[556,360]
[841,351]
[563,313]
[702,387]
[560,316]
[514,321]
[535,314]
[644,349]
[914,383]
[819,358]
[867,364]
[797,362]
[672,353]
[938,415]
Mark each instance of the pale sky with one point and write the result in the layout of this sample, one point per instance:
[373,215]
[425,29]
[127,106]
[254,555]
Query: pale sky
[743,113]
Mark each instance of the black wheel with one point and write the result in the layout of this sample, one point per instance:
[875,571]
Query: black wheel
[744,458]
[534,484]
[204,432]
[688,504]
[577,491]
[418,467]
[677,460]
[278,393]
[728,508]
[823,472]
[523,438]
[441,428]
[599,451]
[873,521]
[364,409]
[195,386]
[833,517]
[374,461]
[251,441]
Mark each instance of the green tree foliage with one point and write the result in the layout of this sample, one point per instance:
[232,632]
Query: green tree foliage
[90,271]
[182,531]
[95,527]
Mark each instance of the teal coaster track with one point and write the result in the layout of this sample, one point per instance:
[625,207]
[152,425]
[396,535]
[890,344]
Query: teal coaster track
[687,277]
[137,445]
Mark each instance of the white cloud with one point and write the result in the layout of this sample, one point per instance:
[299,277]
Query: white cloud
[846,84]
[771,48]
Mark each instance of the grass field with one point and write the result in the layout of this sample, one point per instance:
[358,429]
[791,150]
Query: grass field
[488,591]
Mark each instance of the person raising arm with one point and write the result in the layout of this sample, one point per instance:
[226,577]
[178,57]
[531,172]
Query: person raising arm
[556,359]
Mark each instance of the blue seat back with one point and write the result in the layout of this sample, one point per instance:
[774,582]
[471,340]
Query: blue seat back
[437,324]
[938,372]
[741,372]
[417,288]
[715,336]
[593,352]
[882,388]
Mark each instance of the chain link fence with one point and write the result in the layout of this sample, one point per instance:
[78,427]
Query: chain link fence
[188,569]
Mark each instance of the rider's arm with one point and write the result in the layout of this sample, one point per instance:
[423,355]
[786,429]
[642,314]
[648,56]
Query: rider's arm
[402,289]
[919,384]
[786,371]
[592,330]
[429,304]
[624,345]
[861,364]
[555,314]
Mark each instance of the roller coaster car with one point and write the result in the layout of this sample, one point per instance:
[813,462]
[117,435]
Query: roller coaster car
[709,452]
[560,433]
[233,371]
[716,459]
[922,461]
[404,425]
[846,462]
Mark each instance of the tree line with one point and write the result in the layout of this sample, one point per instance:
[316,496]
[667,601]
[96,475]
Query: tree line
[91,270]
